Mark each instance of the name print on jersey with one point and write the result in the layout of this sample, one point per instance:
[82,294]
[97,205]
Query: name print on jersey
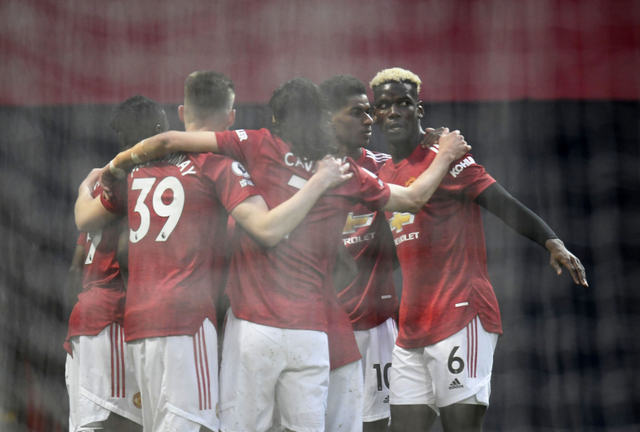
[173,159]
[307,165]
[468,161]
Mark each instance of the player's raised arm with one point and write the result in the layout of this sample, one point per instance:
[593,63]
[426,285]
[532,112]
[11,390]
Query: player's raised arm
[415,196]
[89,212]
[271,226]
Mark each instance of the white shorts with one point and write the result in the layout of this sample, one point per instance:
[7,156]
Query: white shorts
[100,379]
[344,403]
[178,379]
[262,366]
[376,346]
[455,370]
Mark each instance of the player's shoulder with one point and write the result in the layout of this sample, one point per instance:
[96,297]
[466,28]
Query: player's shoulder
[373,160]
[250,135]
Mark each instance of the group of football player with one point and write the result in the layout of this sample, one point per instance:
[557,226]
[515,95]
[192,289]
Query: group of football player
[301,226]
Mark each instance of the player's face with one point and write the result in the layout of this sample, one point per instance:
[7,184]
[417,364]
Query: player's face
[397,111]
[352,123]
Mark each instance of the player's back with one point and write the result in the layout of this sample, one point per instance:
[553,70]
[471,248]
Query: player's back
[177,220]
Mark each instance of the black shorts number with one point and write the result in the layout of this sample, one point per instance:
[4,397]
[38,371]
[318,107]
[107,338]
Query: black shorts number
[455,361]
[382,373]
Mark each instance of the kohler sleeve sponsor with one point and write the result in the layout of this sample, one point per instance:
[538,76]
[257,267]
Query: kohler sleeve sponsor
[468,161]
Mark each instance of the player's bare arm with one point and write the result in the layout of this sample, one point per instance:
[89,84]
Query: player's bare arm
[415,196]
[90,214]
[515,214]
[271,226]
[166,143]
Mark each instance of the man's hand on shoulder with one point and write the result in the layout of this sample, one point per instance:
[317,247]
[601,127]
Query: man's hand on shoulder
[331,172]
[560,256]
[431,137]
[452,145]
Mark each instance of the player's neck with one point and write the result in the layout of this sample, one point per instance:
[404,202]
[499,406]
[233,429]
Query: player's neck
[204,127]
[352,153]
[403,149]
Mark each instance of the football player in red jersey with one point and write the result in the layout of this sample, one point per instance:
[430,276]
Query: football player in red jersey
[103,392]
[178,208]
[370,300]
[449,317]
[279,298]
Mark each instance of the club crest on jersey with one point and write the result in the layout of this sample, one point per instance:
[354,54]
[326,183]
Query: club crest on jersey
[137,400]
[468,161]
[242,134]
[239,170]
[410,181]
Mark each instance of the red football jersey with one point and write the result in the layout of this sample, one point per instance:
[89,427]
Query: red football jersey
[442,253]
[284,286]
[178,209]
[101,301]
[371,298]
[343,347]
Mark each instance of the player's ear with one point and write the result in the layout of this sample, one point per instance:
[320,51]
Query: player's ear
[420,110]
[181,113]
[231,118]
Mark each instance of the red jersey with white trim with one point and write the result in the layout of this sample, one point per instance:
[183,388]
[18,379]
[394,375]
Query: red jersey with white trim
[371,298]
[101,301]
[178,209]
[284,286]
[442,253]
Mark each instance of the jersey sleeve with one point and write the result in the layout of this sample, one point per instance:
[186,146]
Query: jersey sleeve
[240,144]
[117,203]
[466,177]
[232,182]
[367,188]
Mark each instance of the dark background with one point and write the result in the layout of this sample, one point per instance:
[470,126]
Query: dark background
[546,91]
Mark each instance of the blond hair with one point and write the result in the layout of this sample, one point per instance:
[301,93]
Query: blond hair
[395,75]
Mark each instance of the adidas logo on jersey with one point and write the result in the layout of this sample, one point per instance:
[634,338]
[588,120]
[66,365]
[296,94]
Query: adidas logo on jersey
[386,400]
[468,161]
[455,385]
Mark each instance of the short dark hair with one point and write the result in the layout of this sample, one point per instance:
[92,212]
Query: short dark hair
[208,92]
[338,89]
[138,118]
[301,119]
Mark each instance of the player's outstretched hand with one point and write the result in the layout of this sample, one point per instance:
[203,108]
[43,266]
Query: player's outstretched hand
[560,256]
[332,172]
[453,144]
[431,137]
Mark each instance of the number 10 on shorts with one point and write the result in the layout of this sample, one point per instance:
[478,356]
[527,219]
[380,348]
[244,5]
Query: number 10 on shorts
[382,373]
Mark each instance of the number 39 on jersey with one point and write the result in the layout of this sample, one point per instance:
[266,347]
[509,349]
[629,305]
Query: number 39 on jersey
[171,210]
